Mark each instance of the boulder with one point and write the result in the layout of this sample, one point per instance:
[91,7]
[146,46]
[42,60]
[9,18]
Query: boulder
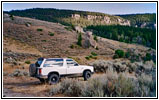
[79,29]
[28,24]
[89,40]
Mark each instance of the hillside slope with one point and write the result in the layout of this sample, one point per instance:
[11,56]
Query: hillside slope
[26,39]
[36,33]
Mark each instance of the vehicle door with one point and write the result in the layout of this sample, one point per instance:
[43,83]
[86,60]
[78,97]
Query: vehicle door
[73,67]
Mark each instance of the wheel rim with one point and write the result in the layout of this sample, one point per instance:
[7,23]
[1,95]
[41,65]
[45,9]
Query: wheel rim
[54,79]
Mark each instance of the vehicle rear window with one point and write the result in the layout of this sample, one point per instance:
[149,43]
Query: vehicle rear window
[53,62]
[39,62]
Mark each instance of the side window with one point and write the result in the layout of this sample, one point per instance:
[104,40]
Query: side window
[53,62]
[70,62]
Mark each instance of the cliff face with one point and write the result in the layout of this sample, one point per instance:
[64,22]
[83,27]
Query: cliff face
[141,20]
[105,20]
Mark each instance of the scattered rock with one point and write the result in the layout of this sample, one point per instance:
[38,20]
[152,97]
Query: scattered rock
[5,73]
[9,60]
[18,73]
[13,57]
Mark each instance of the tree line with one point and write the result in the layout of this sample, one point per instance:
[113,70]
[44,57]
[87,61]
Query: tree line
[146,37]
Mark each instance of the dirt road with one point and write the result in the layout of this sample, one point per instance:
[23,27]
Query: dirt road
[10,93]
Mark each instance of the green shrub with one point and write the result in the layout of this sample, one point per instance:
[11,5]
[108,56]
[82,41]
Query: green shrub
[51,33]
[93,53]
[90,56]
[27,62]
[43,40]
[95,38]
[69,28]
[72,46]
[120,53]
[12,17]
[79,42]
[87,57]
[127,54]
[39,29]
[69,57]
[93,56]
[115,56]
[148,57]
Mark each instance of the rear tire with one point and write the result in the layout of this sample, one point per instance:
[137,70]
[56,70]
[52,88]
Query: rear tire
[53,79]
[86,75]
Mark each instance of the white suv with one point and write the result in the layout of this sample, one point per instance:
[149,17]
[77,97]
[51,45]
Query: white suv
[53,69]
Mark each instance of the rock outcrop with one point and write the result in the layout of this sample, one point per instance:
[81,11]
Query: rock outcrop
[79,29]
[102,19]
[89,40]
[75,16]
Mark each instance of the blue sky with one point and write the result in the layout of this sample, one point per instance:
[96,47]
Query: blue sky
[108,8]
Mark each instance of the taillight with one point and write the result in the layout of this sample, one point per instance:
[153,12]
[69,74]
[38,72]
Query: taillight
[40,71]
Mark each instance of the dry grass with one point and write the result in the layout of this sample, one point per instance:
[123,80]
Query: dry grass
[10,44]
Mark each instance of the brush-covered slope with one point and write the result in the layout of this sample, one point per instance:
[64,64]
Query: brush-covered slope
[55,40]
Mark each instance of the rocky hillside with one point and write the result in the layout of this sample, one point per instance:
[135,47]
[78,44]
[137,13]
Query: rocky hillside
[55,40]
[121,69]
[70,17]
[141,20]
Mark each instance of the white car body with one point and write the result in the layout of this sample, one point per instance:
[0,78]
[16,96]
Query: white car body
[63,67]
